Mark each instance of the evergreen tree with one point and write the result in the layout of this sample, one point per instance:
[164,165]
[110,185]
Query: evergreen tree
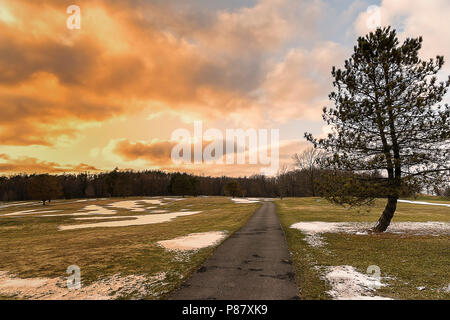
[386,118]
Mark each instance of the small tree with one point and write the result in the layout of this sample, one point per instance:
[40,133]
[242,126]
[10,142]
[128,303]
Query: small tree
[44,187]
[283,181]
[233,189]
[309,161]
[386,118]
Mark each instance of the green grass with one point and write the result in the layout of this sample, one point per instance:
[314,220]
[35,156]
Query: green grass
[33,247]
[410,260]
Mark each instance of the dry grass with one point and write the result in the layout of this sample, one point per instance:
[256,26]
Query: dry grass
[33,247]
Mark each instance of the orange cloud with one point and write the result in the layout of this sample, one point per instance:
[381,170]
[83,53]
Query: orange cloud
[131,56]
[154,153]
[159,153]
[33,165]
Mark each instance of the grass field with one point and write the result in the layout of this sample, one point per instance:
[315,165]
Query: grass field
[32,246]
[415,266]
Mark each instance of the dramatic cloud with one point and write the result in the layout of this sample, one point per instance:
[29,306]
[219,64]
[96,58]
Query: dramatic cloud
[159,153]
[131,56]
[412,19]
[154,153]
[299,85]
[33,165]
[238,64]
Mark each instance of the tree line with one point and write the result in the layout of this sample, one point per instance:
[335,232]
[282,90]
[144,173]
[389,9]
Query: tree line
[119,183]
[307,178]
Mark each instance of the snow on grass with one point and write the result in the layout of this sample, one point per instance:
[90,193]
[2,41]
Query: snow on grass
[132,221]
[193,241]
[425,203]
[90,210]
[132,205]
[174,199]
[103,218]
[314,229]
[152,201]
[28,212]
[112,287]
[15,204]
[349,284]
[136,205]
[245,200]
[19,213]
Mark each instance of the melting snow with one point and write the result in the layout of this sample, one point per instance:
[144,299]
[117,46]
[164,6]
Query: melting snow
[193,241]
[133,221]
[28,212]
[132,205]
[56,288]
[349,284]
[164,211]
[245,200]
[314,229]
[91,210]
[426,203]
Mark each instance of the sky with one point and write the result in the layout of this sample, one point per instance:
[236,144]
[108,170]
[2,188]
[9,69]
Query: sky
[111,93]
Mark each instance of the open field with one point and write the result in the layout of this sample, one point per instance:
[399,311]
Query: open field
[143,248]
[38,242]
[413,258]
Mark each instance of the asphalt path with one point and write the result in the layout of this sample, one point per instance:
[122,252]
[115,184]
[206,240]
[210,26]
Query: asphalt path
[253,264]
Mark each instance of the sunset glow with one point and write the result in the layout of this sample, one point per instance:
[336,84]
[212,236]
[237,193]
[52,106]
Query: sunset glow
[111,93]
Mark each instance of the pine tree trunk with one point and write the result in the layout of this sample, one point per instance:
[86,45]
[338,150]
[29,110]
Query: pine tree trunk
[388,213]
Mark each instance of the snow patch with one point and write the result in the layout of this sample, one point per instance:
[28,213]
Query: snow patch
[425,203]
[131,221]
[28,212]
[349,284]
[193,241]
[152,201]
[174,199]
[89,210]
[132,205]
[314,229]
[245,200]
[56,288]
[164,211]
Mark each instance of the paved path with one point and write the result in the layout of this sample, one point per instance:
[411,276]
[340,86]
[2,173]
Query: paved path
[253,264]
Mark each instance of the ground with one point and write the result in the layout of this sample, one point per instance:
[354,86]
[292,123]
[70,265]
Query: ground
[412,266]
[125,247]
[33,247]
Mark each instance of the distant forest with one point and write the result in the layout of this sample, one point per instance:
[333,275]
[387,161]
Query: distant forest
[44,187]
[119,183]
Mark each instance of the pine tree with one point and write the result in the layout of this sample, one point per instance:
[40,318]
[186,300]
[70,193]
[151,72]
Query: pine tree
[386,118]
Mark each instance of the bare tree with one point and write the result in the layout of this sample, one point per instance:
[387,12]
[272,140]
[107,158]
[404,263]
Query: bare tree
[309,161]
[283,181]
